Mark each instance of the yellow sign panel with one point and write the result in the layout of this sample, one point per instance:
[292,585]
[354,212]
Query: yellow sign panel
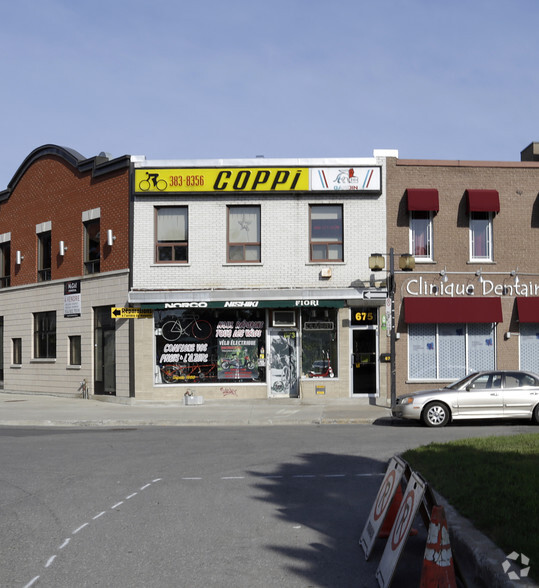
[271,179]
[131,313]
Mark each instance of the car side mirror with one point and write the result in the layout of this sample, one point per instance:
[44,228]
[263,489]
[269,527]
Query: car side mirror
[470,387]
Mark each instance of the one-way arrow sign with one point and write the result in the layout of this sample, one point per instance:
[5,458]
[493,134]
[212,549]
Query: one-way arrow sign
[379,295]
[130,313]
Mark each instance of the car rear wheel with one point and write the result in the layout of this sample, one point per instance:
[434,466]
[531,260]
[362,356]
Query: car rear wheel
[536,414]
[436,414]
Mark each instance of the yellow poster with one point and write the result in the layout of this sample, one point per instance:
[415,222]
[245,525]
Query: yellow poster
[221,180]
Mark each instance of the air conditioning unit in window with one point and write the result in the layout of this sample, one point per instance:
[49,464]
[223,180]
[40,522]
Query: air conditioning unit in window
[284,318]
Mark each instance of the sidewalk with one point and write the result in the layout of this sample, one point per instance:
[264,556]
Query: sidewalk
[47,411]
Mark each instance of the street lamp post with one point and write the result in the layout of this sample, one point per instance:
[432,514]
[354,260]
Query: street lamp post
[406,263]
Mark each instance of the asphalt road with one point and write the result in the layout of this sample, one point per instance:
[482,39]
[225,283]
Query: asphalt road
[201,507]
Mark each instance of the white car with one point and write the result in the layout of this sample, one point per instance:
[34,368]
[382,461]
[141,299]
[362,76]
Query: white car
[491,395]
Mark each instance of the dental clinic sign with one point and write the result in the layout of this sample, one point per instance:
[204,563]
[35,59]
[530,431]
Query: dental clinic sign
[425,287]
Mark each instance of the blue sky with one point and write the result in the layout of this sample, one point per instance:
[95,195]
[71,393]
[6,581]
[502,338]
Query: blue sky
[296,78]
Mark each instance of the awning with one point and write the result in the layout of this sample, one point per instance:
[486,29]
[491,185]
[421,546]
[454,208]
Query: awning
[452,310]
[483,201]
[528,309]
[422,199]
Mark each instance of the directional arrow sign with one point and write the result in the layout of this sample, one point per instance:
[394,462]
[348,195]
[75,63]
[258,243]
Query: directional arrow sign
[131,313]
[375,295]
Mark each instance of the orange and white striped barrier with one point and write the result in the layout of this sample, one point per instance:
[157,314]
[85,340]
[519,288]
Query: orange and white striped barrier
[438,570]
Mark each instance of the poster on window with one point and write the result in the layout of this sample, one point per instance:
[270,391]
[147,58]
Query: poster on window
[237,351]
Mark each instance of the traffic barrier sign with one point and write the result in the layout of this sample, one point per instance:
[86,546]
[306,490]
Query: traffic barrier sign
[413,497]
[383,500]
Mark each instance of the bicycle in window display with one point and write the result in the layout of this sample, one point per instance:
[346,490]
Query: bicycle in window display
[191,326]
[175,373]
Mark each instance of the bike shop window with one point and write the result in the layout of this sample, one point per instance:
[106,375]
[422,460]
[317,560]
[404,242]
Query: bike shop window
[196,345]
[5,264]
[449,351]
[326,232]
[171,235]
[481,236]
[243,234]
[421,235]
[92,246]
[44,256]
[319,343]
[45,335]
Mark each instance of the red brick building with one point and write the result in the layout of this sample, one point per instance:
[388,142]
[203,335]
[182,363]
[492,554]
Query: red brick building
[64,262]
[472,301]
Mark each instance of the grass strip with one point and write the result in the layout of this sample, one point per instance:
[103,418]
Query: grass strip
[493,482]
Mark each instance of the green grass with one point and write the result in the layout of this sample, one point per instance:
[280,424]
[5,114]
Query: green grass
[494,482]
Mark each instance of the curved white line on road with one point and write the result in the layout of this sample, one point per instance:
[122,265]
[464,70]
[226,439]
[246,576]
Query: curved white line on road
[50,560]
[117,505]
[32,582]
[65,543]
[80,528]
[131,496]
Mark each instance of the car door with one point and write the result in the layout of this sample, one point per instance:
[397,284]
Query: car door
[482,397]
[520,394]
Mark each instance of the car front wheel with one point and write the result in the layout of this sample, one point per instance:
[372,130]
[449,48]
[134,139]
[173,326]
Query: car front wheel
[436,414]
[536,414]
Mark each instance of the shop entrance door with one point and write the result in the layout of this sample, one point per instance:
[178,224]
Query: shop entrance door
[364,361]
[283,363]
[105,351]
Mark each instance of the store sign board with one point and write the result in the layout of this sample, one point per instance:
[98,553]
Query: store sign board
[300,303]
[222,180]
[258,179]
[434,287]
[359,179]
[130,313]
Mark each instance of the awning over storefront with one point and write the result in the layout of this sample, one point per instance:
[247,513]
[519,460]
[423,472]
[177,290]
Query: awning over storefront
[422,199]
[528,309]
[452,310]
[483,201]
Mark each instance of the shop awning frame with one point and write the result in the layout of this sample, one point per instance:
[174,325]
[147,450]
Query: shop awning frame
[528,309]
[422,199]
[483,200]
[452,310]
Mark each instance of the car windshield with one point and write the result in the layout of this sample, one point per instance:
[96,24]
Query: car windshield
[462,382]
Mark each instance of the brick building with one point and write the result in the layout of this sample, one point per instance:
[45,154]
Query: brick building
[472,301]
[254,272]
[64,262]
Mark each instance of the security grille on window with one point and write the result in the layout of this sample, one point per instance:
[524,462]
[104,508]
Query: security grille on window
[326,233]
[45,335]
[243,234]
[172,235]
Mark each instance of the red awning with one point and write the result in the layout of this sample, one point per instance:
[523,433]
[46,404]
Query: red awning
[483,201]
[528,309]
[452,310]
[423,199]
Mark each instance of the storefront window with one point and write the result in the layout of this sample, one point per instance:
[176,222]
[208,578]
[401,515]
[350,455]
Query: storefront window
[449,351]
[201,346]
[319,343]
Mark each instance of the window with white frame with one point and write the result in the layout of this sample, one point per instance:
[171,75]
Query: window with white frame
[171,243]
[326,232]
[243,234]
[481,236]
[448,351]
[421,235]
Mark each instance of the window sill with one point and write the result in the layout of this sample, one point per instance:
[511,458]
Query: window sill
[16,366]
[170,264]
[43,360]
[476,261]
[73,367]
[232,263]
[327,262]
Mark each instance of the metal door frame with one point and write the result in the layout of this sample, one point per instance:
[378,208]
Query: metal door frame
[376,357]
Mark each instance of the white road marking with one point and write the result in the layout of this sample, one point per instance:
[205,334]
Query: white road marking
[80,528]
[233,478]
[32,582]
[131,496]
[192,478]
[65,543]
[50,560]
[117,504]
[145,486]
[99,515]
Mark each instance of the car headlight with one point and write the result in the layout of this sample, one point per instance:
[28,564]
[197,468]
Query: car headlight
[406,400]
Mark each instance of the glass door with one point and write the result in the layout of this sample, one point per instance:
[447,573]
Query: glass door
[364,361]
[283,363]
[104,351]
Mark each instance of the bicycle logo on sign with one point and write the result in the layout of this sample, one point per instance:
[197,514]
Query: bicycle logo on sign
[193,326]
[152,179]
